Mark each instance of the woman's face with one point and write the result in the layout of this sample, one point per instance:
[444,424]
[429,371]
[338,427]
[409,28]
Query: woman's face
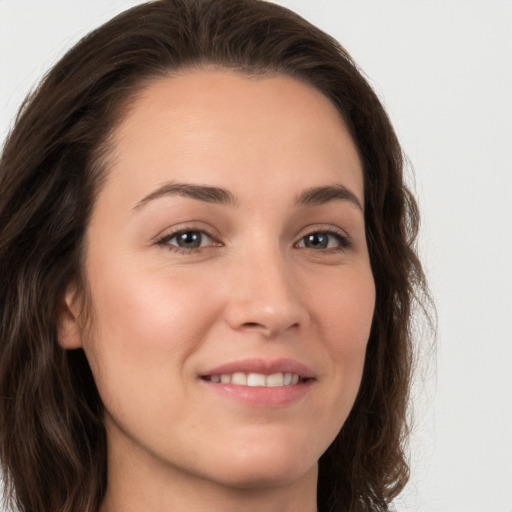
[231,288]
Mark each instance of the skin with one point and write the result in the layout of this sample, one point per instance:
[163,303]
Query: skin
[162,315]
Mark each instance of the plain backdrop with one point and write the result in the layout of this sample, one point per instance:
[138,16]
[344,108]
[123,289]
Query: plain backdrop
[444,72]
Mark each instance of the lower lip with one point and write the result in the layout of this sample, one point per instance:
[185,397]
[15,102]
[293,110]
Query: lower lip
[260,396]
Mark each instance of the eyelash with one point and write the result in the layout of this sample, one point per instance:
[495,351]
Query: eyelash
[164,241]
[344,242]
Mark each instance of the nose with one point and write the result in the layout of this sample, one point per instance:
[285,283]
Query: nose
[264,296]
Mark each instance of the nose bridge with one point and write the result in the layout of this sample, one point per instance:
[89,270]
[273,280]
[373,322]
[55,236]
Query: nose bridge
[264,296]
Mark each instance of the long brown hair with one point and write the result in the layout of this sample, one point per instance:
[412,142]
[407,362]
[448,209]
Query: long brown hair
[52,438]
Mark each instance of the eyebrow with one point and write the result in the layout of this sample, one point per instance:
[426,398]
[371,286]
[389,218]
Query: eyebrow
[320,195]
[204,193]
[314,196]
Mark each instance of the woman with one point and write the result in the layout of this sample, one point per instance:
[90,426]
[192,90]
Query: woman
[207,261]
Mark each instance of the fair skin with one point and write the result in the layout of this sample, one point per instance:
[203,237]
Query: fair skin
[270,276]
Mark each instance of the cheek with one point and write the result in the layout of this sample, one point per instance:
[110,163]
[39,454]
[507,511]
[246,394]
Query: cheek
[144,324]
[345,305]
[345,318]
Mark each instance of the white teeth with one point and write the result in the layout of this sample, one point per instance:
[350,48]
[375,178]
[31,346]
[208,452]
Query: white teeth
[275,380]
[239,378]
[257,379]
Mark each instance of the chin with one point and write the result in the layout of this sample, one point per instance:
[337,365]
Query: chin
[267,477]
[271,465]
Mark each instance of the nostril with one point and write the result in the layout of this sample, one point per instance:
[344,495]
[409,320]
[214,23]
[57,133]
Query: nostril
[252,325]
[268,331]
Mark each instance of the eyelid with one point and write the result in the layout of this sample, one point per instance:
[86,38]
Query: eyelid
[170,236]
[181,227]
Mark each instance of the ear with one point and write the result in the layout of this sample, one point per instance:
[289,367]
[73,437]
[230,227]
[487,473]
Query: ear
[69,330]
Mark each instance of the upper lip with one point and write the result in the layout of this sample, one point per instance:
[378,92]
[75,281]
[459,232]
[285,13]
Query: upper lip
[263,366]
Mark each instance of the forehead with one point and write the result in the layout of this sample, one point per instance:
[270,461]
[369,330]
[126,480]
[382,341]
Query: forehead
[212,126]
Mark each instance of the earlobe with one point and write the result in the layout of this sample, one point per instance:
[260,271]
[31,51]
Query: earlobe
[68,325]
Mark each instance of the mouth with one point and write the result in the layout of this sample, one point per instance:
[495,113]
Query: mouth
[275,380]
[261,383]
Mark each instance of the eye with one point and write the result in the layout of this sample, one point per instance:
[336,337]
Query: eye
[324,240]
[187,239]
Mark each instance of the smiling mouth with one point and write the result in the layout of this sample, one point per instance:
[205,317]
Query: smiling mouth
[274,380]
[260,383]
